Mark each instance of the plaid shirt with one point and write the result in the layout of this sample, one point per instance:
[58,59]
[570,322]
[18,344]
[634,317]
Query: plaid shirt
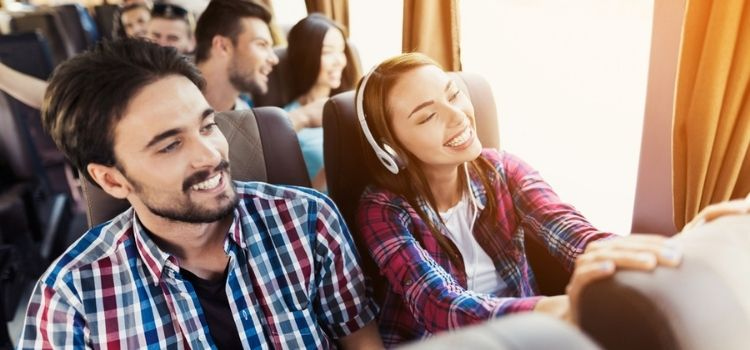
[426,293]
[294,281]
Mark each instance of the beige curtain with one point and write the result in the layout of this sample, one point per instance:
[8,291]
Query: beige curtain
[712,114]
[278,36]
[431,27]
[337,10]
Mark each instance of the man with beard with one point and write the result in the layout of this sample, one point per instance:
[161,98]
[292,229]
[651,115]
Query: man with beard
[234,52]
[199,261]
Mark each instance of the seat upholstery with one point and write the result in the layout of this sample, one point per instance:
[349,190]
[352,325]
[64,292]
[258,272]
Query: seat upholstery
[79,26]
[702,304]
[347,176]
[262,147]
[528,331]
[50,25]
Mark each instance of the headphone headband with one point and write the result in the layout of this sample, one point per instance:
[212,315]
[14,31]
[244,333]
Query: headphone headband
[388,159]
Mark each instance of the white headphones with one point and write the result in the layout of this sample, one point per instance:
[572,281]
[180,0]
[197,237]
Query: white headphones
[386,154]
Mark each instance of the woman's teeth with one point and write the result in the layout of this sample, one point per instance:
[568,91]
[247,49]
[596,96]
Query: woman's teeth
[460,139]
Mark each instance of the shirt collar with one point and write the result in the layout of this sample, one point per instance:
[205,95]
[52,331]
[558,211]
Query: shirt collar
[156,259]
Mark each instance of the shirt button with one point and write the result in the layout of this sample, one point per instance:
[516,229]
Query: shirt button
[408,282]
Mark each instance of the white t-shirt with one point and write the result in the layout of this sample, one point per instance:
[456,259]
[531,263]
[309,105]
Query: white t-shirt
[480,271]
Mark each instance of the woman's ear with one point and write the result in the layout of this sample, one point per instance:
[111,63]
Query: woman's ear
[110,179]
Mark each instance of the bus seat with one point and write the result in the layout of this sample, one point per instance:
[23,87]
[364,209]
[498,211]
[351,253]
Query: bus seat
[528,331]
[262,147]
[78,25]
[279,92]
[106,15]
[280,80]
[45,212]
[702,304]
[347,176]
[50,25]
[29,53]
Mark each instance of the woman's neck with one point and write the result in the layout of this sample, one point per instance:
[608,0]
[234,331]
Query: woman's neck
[446,187]
[317,92]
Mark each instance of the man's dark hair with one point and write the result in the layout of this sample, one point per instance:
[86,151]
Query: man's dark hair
[222,17]
[89,93]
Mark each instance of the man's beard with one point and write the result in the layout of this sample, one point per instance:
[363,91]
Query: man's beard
[243,83]
[186,210]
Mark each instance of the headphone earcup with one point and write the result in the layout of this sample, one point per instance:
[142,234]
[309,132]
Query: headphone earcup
[398,160]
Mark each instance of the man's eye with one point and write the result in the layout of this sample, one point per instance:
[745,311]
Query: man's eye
[171,147]
[209,128]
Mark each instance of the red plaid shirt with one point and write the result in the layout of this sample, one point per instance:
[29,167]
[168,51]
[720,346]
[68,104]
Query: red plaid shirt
[426,293]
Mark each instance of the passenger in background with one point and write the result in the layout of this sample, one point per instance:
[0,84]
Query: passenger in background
[234,52]
[174,26]
[133,20]
[170,25]
[445,220]
[315,36]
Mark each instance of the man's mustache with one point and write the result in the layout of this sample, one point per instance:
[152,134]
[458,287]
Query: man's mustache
[203,175]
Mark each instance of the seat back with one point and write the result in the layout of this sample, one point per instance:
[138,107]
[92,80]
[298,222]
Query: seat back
[702,304]
[106,15]
[49,24]
[280,81]
[527,331]
[262,147]
[29,53]
[78,25]
[347,176]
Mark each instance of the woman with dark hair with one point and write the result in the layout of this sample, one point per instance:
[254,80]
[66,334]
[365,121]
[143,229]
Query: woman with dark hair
[132,20]
[317,58]
[445,220]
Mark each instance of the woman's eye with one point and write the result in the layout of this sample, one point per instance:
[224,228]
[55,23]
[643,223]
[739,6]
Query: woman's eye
[453,97]
[425,120]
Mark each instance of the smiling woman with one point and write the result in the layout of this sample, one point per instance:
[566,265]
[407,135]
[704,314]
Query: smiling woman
[314,80]
[445,220]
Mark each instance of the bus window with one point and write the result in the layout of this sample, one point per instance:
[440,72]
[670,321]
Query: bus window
[375,29]
[569,80]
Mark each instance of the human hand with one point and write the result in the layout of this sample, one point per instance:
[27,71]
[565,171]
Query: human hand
[602,258]
[714,211]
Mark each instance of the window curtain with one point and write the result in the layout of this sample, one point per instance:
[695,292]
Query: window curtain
[712,114]
[431,27]
[276,34]
[337,10]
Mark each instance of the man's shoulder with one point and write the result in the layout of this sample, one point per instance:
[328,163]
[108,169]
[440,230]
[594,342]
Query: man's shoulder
[98,243]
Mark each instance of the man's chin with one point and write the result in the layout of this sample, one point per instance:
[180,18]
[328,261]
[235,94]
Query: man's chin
[195,213]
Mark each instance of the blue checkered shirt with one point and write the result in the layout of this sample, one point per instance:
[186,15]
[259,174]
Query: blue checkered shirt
[293,282]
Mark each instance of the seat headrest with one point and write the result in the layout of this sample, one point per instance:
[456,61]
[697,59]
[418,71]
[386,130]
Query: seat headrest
[262,147]
[702,304]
